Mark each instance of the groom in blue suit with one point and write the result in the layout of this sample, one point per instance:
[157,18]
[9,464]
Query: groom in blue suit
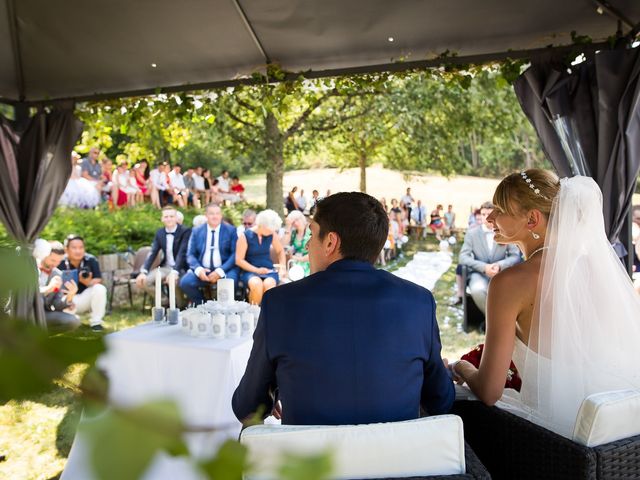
[349,344]
[211,254]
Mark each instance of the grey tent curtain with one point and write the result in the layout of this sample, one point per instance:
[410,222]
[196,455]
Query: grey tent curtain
[588,120]
[36,165]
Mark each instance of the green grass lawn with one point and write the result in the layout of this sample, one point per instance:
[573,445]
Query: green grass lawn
[36,434]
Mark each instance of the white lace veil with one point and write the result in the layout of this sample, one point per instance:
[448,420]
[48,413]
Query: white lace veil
[585,333]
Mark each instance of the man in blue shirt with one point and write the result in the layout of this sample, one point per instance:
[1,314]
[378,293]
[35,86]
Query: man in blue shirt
[349,344]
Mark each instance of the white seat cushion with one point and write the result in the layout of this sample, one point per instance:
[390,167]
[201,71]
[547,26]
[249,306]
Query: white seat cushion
[426,446]
[607,417]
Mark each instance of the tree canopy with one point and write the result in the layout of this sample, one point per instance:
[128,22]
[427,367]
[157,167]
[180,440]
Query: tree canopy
[464,122]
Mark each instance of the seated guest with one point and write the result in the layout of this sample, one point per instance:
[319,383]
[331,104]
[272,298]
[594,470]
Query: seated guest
[419,214]
[349,344]
[198,182]
[301,200]
[291,200]
[436,224]
[193,196]
[178,188]
[315,198]
[449,220]
[236,187]
[92,294]
[171,240]
[199,220]
[397,212]
[253,255]
[56,297]
[207,183]
[248,220]
[397,229]
[297,234]
[484,257]
[216,196]
[211,254]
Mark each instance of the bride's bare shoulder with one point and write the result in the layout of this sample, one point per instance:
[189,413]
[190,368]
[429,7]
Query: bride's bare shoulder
[513,280]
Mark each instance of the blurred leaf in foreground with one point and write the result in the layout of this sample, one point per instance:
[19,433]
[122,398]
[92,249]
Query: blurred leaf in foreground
[30,360]
[122,443]
[312,467]
[229,462]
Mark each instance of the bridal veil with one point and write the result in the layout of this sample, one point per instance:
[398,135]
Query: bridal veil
[585,334]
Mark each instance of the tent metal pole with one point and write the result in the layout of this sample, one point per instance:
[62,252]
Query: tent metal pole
[15,47]
[251,31]
[613,11]
[569,50]
[21,115]
[628,241]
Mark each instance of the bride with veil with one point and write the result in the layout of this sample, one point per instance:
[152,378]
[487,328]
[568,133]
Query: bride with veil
[568,316]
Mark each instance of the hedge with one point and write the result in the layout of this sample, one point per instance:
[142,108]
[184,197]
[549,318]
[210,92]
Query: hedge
[107,231]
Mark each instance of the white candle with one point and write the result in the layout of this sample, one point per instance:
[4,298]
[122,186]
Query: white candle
[233,325]
[172,290]
[158,289]
[225,290]
[218,325]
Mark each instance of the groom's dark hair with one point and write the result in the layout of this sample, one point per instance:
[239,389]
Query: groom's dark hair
[359,220]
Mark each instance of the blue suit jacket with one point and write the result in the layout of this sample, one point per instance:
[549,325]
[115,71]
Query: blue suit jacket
[348,345]
[180,241]
[227,245]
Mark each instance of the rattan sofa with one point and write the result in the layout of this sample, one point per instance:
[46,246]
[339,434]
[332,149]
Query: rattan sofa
[513,448]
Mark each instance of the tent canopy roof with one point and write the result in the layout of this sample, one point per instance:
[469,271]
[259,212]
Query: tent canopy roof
[86,49]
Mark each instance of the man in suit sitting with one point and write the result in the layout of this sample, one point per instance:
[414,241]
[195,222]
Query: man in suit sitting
[484,257]
[349,344]
[171,240]
[211,254]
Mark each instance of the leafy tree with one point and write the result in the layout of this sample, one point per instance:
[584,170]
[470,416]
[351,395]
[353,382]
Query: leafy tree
[271,121]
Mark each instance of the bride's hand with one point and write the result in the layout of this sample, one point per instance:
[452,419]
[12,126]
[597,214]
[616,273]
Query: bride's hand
[454,376]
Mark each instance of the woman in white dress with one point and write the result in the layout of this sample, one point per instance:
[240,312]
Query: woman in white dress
[568,315]
[80,192]
[125,189]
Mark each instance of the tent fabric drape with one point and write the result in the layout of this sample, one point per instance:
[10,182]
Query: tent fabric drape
[588,121]
[36,164]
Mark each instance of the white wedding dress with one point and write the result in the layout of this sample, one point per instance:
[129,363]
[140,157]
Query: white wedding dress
[585,331]
[80,192]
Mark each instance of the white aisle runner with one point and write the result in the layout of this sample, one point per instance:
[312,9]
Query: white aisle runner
[425,268]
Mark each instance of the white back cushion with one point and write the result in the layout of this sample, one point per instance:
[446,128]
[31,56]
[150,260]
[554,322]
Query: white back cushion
[607,417]
[426,446]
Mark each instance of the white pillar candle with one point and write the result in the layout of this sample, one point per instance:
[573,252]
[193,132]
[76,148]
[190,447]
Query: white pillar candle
[233,325]
[247,323]
[218,324]
[158,288]
[172,290]
[225,290]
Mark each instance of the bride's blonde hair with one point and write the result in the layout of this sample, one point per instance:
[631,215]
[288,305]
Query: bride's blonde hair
[514,194]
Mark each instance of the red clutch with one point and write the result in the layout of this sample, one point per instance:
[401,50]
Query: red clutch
[513,378]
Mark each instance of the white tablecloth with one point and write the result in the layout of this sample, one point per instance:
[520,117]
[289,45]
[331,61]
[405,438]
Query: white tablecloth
[150,362]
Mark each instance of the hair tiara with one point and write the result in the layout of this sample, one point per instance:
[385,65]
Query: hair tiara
[535,189]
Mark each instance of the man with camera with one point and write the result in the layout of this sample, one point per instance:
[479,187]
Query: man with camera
[92,294]
[57,294]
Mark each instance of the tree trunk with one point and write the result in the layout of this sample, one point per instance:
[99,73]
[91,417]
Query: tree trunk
[528,159]
[362,163]
[275,164]
[474,151]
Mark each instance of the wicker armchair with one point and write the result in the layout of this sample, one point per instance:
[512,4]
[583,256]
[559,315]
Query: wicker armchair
[513,448]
